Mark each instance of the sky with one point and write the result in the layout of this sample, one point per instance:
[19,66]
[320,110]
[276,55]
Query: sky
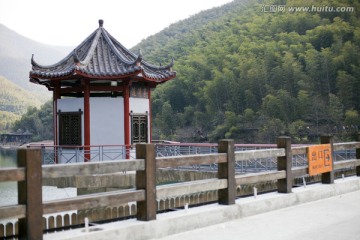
[69,22]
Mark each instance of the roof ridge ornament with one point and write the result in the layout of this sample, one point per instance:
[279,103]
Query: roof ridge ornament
[170,65]
[32,60]
[139,58]
[101,23]
[76,57]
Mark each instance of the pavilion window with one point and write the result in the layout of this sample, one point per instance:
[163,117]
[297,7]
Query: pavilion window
[70,128]
[139,128]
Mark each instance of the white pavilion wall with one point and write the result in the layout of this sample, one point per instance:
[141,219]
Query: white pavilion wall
[106,118]
[106,123]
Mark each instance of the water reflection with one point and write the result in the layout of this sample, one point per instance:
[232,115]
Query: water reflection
[8,190]
[8,157]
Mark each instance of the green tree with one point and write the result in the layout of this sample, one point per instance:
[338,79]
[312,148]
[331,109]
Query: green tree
[298,131]
[271,129]
[166,120]
[38,121]
[346,93]
[352,118]
[335,110]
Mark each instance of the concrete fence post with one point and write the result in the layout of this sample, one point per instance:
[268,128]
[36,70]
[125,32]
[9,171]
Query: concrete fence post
[146,179]
[328,177]
[285,163]
[358,156]
[30,194]
[227,171]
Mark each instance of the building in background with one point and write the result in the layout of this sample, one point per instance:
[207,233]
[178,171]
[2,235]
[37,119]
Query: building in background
[101,93]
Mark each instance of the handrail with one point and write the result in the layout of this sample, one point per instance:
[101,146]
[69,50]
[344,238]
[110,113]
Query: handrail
[175,161]
[68,170]
[93,200]
[252,178]
[352,163]
[12,174]
[187,188]
[13,211]
[346,146]
[256,154]
[146,192]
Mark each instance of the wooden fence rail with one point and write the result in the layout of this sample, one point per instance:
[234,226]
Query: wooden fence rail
[149,198]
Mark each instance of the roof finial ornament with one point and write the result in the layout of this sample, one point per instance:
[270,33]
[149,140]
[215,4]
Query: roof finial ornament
[172,62]
[76,57]
[101,22]
[139,58]
[32,60]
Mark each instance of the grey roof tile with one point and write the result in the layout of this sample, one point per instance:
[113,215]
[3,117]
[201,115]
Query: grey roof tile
[100,56]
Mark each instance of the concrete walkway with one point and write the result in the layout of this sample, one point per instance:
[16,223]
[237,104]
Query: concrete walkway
[318,211]
[329,219]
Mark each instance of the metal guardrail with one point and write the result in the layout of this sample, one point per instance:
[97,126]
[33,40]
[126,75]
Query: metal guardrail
[98,153]
[248,166]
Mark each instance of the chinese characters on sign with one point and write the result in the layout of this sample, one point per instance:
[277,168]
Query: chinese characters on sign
[320,159]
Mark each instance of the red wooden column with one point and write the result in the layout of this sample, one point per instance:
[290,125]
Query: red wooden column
[150,114]
[86,89]
[56,96]
[126,93]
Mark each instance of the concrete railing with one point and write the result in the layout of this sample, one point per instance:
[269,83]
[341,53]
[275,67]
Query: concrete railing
[30,172]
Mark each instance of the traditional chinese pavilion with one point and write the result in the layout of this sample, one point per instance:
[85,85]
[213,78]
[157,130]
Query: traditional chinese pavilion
[101,92]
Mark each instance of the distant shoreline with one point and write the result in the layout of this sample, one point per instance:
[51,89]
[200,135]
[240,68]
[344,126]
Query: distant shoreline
[19,145]
[9,146]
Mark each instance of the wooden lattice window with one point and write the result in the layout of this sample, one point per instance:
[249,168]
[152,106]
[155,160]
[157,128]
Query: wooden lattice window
[139,128]
[70,128]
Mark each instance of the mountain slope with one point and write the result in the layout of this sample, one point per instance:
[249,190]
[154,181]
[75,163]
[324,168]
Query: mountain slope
[153,46]
[15,57]
[253,75]
[17,94]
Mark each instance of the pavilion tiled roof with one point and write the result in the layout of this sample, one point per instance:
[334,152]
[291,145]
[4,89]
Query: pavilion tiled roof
[101,56]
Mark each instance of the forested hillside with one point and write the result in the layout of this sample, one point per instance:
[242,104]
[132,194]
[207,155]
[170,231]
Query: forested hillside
[14,102]
[251,75]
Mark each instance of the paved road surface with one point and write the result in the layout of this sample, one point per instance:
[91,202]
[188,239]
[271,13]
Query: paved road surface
[336,218]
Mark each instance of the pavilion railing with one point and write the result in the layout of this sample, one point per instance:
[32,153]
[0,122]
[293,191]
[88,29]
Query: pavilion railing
[75,154]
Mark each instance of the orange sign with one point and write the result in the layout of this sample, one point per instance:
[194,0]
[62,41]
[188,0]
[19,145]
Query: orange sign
[320,159]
